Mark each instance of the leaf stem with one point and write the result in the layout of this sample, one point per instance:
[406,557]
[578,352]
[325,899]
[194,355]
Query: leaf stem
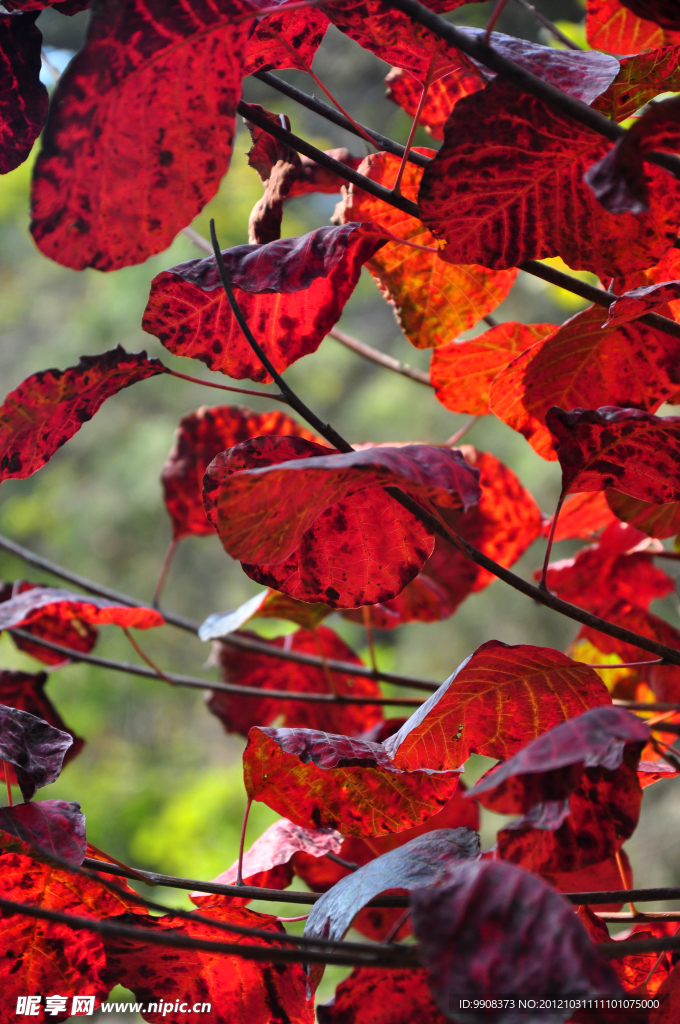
[242,841]
[553,29]
[380,358]
[495,15]
[226,387]
[368,626]
[461,432]
[135,646]
[162,575]
[396,188]
[544,572]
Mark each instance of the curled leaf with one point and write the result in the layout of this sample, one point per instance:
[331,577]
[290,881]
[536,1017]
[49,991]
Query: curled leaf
[49,603]
[54,826]
[34,748]
[26,692]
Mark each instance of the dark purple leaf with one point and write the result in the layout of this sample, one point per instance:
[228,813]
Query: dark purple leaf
[494,930]
[54,826]
[35,748]
[23,97]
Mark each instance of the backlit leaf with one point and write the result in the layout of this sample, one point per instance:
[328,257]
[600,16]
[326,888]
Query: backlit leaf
[519,193]
[602,877]
[303,30]
[199,437]
[72,633]
[321,527]
[494,930]
[442,95]
[55,826]
[35,748]
[499,699]
[581,516]
[639,301]
[268,604]
[654,520]
[43,603]
[433,301]
[641,78]
[118,120]
[244,668]
[291,292]
[237,991]
[267,863]
[585,364]
[318,780]
[462,372]
[23,97]
[611,26]
[26,692]
[375,996]
[49,407]
[627,449]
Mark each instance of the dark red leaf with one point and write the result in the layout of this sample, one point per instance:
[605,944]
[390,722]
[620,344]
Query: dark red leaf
[654,520]
[23,97]
[619,179]
[26,692]
[375,996]
[267,863]
[648,970]
[611,26]
[117,120]
[49,407]
[321,527]
[663,12]
[54,826]
[72,633]
[639,301]
[35,748]
[500,698]
[318,780]
[602,877]
[668,996]
[50,603]
[202,435]
[641,78]
[502,525]
[424,861]
[581,516]
[627,449]
[462,372]
[68,7]
[600,575]
[519,193]
[442,95]
[245,668]
[291,292]
[585,364]
[303,30]
[44,957]
[539,780]
[433,301]
[237,991]
[494,930]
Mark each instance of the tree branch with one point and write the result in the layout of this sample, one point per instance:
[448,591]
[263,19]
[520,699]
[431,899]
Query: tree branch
[196,683]
[381,358]
[326,111]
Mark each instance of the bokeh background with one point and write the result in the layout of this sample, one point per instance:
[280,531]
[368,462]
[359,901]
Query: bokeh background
[159,780]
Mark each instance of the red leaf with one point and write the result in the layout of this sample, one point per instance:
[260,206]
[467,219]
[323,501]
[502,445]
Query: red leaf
[237,991]
[267,863]
[268,604]
[584,364]
[499,699]
[40,956]
[639,301]
[54,826]
[244,668]
[424,861]
[68,7]
[654,520]
[462,372]
[26,692]
[46,603]
[303,30]
[35,748]
[502,525]
[611,26]
[318,780]
[73,633]
[128,160]
[442,95]
[315,178]
[641,78]
[498,210]
[494,930]
[202,435]
[295,513]
[627,449]
[619,179]
[375,996]
[633,970]
[49,407]
[433,301]
[602,877]
[581,516]
[600,575]
[668,995]
[23,97]
[291,292]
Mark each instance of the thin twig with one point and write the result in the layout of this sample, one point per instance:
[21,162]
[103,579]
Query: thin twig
[396,188]
[196,683]
[323,110]
[242,842]
[162,575]
[461,432]
[553,29]
[553,525]
[368,626]
[380,358]
[624,880]
[5,767]
[135,646]
[225,387]
[55,72]
[495,15]
[639,705]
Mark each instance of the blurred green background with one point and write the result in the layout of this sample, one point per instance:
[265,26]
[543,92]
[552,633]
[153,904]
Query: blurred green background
[159,780]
